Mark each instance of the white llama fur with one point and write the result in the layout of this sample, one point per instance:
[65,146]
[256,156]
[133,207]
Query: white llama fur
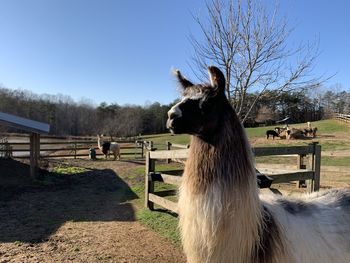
[224,218]
[112,147]
[323,236]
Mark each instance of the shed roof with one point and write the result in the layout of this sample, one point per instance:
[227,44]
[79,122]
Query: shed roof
[23,123]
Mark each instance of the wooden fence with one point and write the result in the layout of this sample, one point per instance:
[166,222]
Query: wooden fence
[307,168]
[59,149]
[5,148]
[342,117]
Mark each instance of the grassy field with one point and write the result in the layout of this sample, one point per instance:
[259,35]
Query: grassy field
[160,220]
[325,127]
[330,136]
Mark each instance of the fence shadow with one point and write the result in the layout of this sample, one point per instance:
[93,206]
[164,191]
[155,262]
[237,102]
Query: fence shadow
[32,211]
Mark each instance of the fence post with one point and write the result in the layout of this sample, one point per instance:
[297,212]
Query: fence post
[142,147]
[315,165]
[168,147]
[149,184]
[301,165]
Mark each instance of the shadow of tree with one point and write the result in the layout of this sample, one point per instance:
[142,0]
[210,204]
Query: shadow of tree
[32,211]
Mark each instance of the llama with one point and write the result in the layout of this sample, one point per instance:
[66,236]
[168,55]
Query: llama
[310,132]
[283,133]
[271,133]
[108,147]
[222,216]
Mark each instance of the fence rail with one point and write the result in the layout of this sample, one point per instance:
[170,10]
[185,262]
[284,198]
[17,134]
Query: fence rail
[67,149]
[307,168]
[342,117]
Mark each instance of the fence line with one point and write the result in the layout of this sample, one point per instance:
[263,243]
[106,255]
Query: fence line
[308,167]
[71,146]
[342,117]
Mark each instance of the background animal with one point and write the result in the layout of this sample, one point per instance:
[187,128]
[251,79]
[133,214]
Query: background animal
[311,132]
[271,133]
[293,133]
[282,132]
[222,217]
[109,147]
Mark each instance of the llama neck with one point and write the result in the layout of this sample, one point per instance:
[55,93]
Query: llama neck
[220,181]
[99,142]
[226,159]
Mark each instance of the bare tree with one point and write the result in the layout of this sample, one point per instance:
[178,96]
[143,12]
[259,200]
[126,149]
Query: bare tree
[250,45]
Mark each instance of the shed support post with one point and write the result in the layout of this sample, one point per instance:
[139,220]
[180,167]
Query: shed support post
[34,154]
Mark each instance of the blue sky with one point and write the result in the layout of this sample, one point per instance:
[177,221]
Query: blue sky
[122,51]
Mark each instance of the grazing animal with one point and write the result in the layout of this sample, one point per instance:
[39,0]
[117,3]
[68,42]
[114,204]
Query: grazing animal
[271,133]
[283,133]
[108,147]
[278,129]
[222,217]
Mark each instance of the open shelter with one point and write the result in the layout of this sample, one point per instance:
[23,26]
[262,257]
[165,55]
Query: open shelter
[35,128]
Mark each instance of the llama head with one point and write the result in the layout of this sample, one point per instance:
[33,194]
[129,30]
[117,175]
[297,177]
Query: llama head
[200,109]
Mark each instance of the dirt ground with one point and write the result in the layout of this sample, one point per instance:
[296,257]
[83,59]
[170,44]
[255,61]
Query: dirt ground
[86,217]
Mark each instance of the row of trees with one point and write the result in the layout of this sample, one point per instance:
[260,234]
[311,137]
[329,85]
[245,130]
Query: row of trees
[67,117]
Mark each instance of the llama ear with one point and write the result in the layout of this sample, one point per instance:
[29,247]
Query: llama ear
[184,82]
[217,79]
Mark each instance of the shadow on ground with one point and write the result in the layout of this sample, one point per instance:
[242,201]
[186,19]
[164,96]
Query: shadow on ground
[32,211]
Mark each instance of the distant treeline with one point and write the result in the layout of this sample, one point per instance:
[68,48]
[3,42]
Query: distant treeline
[67,117]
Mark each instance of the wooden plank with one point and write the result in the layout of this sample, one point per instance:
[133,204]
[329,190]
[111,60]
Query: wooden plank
[169,179]
[291,176]
[266,151]
[181,146]
[71,143]
[258,151]
[278,176]
[173,154]
[170,205]
[317,167]
[149,185]
[69,155]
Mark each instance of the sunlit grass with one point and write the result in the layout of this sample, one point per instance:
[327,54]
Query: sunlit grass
[335,161]
[68,170]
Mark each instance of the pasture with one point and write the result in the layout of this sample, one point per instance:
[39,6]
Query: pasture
[92,211]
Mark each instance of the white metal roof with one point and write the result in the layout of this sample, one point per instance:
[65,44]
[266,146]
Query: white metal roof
[23,123]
